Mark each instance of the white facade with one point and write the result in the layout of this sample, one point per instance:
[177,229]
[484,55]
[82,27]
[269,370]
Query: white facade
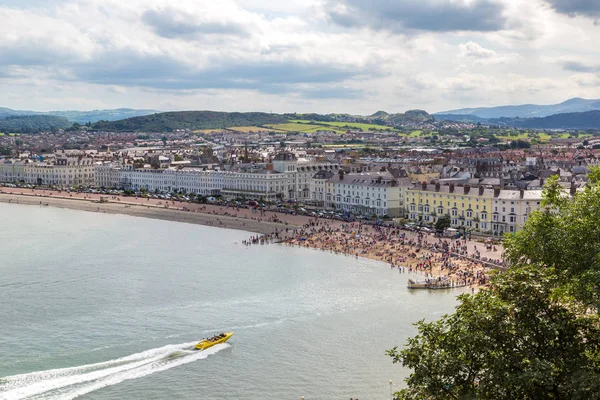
[512,208]
[367,193]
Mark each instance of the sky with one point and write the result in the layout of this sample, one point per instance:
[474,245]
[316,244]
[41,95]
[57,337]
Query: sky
[323,56]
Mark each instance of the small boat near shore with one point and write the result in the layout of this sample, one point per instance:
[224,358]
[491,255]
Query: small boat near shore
[434,283]
[218,339]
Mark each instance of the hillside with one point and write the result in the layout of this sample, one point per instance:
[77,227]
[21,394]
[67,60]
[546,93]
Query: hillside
[33,123]
[194,120]
[582,120]
[460,118]
[82,117]
[9,112]
[528,110]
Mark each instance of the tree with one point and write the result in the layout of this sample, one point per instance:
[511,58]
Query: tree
[164,140]
[442,223]
[535,332]
[516,340]
[565,238]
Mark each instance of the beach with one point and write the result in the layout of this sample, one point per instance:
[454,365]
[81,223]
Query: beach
[464,262]
[184,212]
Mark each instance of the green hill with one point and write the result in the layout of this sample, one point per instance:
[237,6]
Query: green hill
[579,120]
[193,120]
[33,123]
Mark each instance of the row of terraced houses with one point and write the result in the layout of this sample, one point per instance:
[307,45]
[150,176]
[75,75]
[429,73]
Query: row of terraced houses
[383,193]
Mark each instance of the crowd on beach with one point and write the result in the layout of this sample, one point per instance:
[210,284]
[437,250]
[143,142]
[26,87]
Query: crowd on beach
[421,253]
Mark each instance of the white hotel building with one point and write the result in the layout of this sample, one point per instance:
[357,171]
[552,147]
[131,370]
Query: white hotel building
[286,178]
[365,193]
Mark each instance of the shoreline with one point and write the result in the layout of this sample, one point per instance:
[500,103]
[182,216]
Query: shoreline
[408,252]
[147,211]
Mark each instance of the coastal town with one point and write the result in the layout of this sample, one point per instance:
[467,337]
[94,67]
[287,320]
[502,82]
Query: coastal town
[382,203]
[330,199]
[484,189]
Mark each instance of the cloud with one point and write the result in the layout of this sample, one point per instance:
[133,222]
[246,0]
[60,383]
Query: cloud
[166,52]
[418,15]
[577,66]
[170,22]
[473,52]
[267,76]
[295,55]
[588,8]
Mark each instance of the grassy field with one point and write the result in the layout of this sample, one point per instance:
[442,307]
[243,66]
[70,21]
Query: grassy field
[298,127]
[247,129]
[348,125]
[207,130]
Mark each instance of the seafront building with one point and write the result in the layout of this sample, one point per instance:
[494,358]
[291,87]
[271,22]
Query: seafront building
[378,189]
[480,209]
[285,178]
[365,193]
[64,170]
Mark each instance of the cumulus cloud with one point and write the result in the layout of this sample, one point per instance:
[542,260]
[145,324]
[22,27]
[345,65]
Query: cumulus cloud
[166,51]
[589,8]
[473,52]
[297,55]
[418,15]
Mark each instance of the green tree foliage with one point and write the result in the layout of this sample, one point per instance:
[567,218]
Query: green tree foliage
[566,238]
[535,333]
[33,123]
[167,122]
[442,223]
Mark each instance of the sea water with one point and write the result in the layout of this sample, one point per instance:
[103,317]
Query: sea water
[99,306]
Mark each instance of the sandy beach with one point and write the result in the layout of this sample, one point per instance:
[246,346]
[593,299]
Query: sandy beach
[147,211]
[407,251]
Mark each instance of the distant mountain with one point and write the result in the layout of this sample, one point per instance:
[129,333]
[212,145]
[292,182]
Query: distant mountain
[8,112]
[194,120]
[460,118]
[33,123]
[580,120]
[81,117]
[528,110]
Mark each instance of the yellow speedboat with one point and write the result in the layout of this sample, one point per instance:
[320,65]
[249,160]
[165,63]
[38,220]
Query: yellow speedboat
[206,343]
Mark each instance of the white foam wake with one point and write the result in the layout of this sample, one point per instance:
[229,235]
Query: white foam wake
[69,383]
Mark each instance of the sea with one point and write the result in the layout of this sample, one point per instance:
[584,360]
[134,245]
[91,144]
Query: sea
[102,306]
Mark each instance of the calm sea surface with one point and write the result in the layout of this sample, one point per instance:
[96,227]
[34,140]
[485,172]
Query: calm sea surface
[102,306]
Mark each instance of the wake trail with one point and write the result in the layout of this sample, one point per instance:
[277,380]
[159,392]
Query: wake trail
[69,383]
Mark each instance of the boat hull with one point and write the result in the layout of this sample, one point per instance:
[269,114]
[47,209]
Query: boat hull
[205,344]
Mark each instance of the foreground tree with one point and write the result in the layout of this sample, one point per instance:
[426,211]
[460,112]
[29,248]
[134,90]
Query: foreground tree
[517,340]
[535,333]
[565,239]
